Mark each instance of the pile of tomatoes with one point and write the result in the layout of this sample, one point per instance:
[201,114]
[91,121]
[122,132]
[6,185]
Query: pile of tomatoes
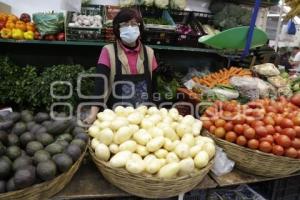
[271,126]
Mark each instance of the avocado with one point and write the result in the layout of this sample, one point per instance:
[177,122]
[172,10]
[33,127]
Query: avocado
[80,143]
[74,151]
[2,186]
[44,138]
[30,125]
[82,136]
[6,159]
[24,177]
[66,136]
[58,127]
[26,116]
[4,125]
[3,136]
[63,143]
[46,123]
[41,117]
[21,162]
[46,170]
[33,147]
[41,156]
[26,137]
[77,130]
[5,169]
[15,116]
[54,148]
[63,161]
[13,139]
[2,149]
[10,185]
[40,130]
[13,152]
[23,153]
[19,128]
[35,128]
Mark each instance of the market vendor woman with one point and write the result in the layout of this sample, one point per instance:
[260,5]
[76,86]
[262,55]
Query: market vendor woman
[126,64]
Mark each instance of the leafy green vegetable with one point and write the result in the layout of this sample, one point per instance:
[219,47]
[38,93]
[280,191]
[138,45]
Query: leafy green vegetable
[159,21]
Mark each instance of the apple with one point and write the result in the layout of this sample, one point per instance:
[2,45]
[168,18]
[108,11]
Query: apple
[25,17]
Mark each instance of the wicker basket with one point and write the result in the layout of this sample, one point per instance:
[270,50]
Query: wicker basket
[257,162]
[149,187]
[46,189]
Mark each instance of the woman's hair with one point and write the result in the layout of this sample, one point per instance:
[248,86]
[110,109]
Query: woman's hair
[125,15]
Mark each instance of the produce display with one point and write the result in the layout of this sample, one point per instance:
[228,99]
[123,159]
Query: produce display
[151,141]
[34,148]
[270,126]
[159,21]
[86,21]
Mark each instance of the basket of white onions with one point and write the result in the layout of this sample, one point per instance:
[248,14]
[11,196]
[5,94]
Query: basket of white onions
[151,153]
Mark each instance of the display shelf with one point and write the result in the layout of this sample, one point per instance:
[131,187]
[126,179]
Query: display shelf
[237,177]
[88,183]
[76,43]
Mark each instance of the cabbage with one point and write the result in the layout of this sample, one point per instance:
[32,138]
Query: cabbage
[161,3]
[127,3]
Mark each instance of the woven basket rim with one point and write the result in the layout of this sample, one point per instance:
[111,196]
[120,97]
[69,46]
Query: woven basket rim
[42,184]
[287,159]
[154,178]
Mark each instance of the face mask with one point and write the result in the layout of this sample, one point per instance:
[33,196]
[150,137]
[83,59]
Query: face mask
[129,34]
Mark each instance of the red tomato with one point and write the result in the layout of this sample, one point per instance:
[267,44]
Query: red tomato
[284,141]
[268,138]
[278,150]
[261,131]
[291,115]
[297,129]
[271,109]
[241,140]
[249,133]
[296,143]
[253,144]
[286,123]
[250,119]
[229,107]
[239,129]
[220,132]
[257,123]
[278,120]
[296,99]
[289,132]
[275,136]
[226,115]
[254,105]
[271,114]
[278,129]
[270,129]
[207,124]
[248,111]
[212,129]
[265,146]
[279,107]
[220,123]
[238,119]
[282,99]
[211,111]
[269,121]
[296,121]
[228,126]
[291,152]
[258,114]
[231,136]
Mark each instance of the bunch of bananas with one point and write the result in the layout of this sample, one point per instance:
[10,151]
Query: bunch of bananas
[295,8]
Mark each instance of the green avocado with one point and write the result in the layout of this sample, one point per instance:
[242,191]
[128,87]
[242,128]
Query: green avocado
[41,117]
[74,151]
[63,162]
[63,143]
[3,136]
[80,143]
[21,162]
[66,136]
[82,136]
[33,147]
[13,139]
[77,130]
[13,152]
[41,156]
[44,138]
[2,149]
[7,124]
[26,116]
[15,116]
[19,128]
[10,185]
[30,125]
[24,177]
[46,170]
[5,169]
[54,148]
[26,138]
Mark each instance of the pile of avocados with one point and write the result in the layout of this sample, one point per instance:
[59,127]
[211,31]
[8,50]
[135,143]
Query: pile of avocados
[34,148]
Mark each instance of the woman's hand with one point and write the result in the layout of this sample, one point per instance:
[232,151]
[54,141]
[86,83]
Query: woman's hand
[92,116]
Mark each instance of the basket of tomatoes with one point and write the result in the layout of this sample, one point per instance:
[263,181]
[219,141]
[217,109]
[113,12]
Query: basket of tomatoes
[262,136]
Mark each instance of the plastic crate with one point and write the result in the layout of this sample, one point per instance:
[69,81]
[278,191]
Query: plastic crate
[84,33]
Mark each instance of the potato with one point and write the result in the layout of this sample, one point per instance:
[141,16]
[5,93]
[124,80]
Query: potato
[102,152]
[136,156]
[196,149]
[120,159]
[170,133]
[161,153]
[199,140]
[167,120]
[94,131]
[152,110]
[189,120]
[118,122]
[155,118]
[97,123]
[142,137]
[174,125]
[134,128]
[122,135]
[163,112]
[106,136]
[108,116]
[142,150]
[135,166]
[182,150]
[155,144]
[169,145]
[188,139]
[183,129]
[147,123]
[114,148]
[187,166]
[196,128]
[135,118]
[204,139]
[129,110]
[94,143]
[153,165]
[169,171]
[128,145]
[104,125]
[201,159]
[149,157]
[172,157]
[142,110]
[162,161]
[155,132]
[120,111]
[174,114]
[210,149]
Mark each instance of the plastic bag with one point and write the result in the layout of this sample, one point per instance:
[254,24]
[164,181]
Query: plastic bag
[267,69]
[223,165]
[246,86]
[127,3]
[161,3]
[191,74]
[147,2]
[291,27]
[49,23]
[178,4]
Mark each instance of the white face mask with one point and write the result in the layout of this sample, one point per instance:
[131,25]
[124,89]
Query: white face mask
[129,34]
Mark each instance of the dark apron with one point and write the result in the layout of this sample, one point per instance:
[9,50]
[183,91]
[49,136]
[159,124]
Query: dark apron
[139,90]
